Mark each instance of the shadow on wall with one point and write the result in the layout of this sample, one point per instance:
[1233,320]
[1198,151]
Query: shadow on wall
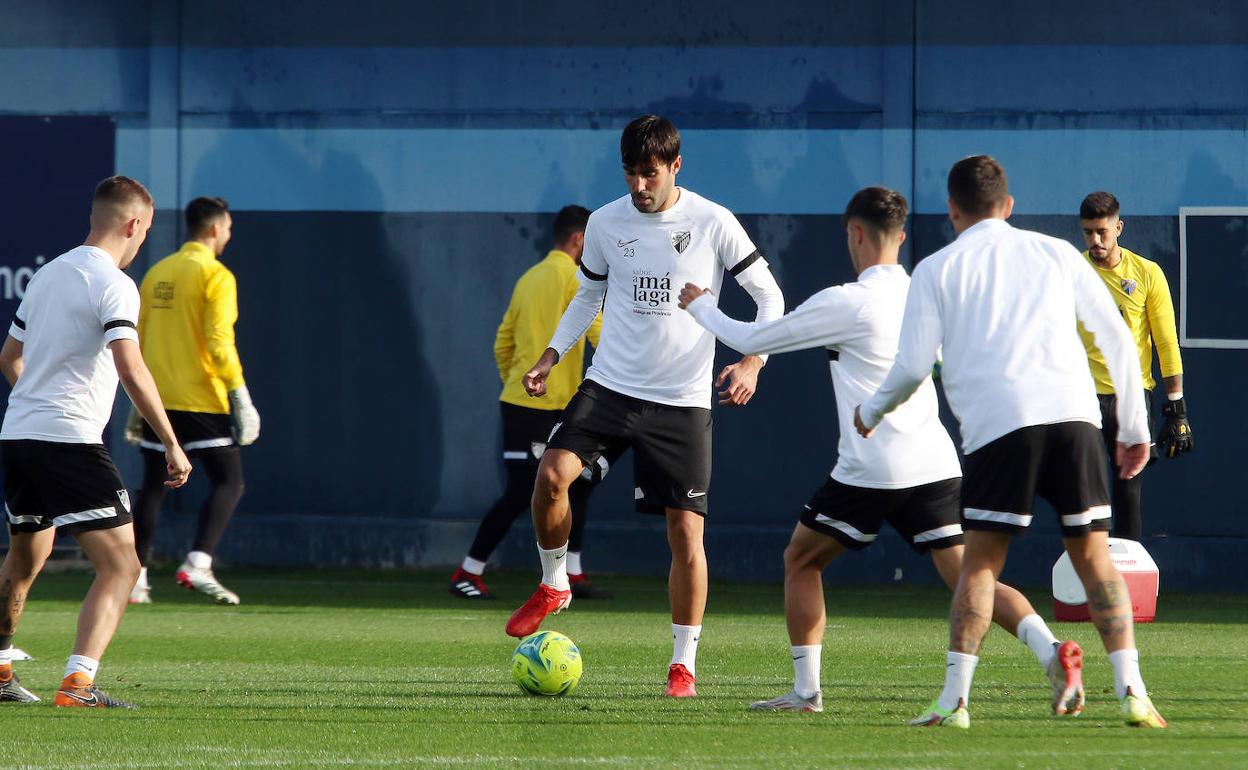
[333,348]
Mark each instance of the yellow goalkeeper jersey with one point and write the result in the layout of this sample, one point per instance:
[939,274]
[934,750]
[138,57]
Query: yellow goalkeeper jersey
[537,303]
[1142,294]
[189,303]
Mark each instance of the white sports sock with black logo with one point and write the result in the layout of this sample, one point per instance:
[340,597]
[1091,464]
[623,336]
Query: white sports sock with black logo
[806,659]
[959,670]
[555,567]
[81,664]
[685,646]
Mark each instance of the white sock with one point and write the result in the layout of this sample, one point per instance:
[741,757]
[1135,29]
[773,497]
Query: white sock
[806,658]
[199,560]
[1126,665]
[685,646]
[142,581]
[472,566]
[6,656]
[82,664]
[555,567]
[959,670]
[574,563]
[1033,632]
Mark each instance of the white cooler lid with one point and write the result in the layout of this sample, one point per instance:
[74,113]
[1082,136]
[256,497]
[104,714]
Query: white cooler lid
[1127,555]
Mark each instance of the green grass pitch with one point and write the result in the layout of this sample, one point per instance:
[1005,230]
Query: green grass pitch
[352,669]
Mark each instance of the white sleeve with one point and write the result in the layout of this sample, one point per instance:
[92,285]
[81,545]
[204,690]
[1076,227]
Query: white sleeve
[738,255]
[824,320]
[1094,307]
[581,311]
[119,311]
[922,331]
[17,329]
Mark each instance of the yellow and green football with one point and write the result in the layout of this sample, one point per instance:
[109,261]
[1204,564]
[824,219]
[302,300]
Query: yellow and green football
[546,663]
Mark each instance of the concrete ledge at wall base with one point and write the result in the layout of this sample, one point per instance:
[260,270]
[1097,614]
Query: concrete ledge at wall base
[639,547]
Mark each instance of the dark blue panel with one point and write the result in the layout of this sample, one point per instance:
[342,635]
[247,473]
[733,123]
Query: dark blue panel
[1217,273]
[1077,22]
[506,22]
[76,24]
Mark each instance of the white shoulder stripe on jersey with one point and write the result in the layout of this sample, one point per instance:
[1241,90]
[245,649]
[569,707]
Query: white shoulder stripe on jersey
[1000,517]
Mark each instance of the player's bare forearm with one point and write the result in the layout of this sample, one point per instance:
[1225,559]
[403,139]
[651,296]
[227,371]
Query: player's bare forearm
[11,362]
[1173,383]
[141,388]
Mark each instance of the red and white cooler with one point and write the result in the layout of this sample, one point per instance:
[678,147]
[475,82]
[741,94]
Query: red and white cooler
[1139,571]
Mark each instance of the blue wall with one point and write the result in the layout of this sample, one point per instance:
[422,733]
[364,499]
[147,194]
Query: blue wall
[393,167]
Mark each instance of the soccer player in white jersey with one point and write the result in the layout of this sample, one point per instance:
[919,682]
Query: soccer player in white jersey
[73,337]
[649,387]
[1001,304]
[908,476]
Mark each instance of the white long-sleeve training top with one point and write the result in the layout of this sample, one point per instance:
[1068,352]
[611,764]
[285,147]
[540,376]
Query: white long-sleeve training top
[1001,304]
[649,348]
[859,324]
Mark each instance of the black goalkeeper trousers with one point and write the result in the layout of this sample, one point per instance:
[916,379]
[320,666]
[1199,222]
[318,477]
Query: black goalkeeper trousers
[515,500]
[224,469]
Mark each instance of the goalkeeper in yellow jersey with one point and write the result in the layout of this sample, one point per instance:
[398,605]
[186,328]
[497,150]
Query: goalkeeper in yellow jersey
[1142,295]
[537,303]
[189,303]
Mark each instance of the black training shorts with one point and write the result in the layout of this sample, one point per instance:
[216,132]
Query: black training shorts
[926,515]
[74,487]
[1063,462]
[671,444]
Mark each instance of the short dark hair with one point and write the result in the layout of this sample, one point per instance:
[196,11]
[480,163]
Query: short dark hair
[201,212]
[569,220]
[120,191]
[977,185]
[883,209]
[1098,205]
[649,137]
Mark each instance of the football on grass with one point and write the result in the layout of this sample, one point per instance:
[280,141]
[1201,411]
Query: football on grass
[546,663]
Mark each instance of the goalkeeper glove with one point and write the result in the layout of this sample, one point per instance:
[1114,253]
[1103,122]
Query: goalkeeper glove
[243,416]
[1175,437]
[134,427]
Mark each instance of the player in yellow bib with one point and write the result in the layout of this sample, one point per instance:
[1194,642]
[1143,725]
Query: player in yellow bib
[1142,296]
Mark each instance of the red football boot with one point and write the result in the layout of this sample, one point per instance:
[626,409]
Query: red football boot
[544,601]
[680,682]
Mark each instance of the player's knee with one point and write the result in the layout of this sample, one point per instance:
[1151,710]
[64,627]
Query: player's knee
[685,539]
[798,557]
[121,564]
[19,568]
[550,483]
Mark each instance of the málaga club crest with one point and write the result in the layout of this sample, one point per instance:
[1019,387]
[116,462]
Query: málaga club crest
[680,241]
